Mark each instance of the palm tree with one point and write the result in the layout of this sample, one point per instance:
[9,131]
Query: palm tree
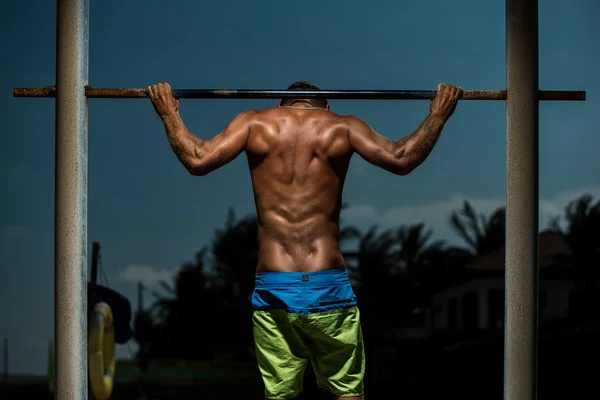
[416,251]
[235,255]
[481,234]
[582,234]
[375,262]
[421,262]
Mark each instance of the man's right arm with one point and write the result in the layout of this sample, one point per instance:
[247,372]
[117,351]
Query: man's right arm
[406,154]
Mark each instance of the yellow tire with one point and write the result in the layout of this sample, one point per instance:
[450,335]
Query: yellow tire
[101,351]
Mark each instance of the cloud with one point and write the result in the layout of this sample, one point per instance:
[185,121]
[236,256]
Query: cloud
[149,276]
[17,232]
[436,215]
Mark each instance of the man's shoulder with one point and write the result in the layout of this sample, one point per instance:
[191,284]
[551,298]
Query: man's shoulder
[355,123]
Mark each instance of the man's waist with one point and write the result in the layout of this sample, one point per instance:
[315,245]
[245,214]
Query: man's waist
[303,292]
[314,233]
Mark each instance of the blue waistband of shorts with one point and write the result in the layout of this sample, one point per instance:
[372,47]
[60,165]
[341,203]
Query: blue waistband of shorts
[303,292]
[318,278]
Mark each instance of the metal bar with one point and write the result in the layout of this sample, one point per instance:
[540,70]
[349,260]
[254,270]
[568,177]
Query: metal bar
[522,197]
[70,213]
[134,93]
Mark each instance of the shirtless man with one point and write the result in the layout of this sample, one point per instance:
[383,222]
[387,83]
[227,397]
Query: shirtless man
[298,155]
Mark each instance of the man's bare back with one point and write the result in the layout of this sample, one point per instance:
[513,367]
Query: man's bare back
[298,160]
[298,157]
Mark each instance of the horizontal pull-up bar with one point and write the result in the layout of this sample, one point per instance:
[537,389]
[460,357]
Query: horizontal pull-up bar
[132,93]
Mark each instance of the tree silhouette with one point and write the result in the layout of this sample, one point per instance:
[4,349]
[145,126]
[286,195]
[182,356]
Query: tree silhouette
[235,255]
[582,234]
[481,234]
[422,262]
[180,331]
[375,263]
[416,249]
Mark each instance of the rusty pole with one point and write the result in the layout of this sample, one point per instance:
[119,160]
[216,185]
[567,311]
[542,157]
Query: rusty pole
[137,93]
[522,131]
[70,212]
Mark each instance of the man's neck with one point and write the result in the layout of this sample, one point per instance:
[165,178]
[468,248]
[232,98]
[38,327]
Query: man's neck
[303,104]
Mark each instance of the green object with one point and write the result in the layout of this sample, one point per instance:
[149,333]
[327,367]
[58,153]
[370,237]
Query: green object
[285,341]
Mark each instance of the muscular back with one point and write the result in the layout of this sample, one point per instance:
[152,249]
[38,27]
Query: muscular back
[298,161]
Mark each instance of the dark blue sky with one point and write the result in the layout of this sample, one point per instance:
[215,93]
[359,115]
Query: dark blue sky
[150,215]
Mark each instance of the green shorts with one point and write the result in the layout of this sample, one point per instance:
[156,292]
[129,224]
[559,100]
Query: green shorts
[302,317]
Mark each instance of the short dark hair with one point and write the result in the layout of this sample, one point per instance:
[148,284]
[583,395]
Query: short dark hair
[304,85]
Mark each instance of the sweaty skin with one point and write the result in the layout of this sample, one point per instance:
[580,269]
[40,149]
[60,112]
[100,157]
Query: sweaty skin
[298,159]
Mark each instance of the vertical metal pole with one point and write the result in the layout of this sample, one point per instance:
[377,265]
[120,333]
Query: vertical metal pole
[520,347]
[70,241]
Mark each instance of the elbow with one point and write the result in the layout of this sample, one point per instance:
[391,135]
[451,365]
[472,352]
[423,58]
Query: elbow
[408,164]
[404,161]
[402,169]
[403,165]
[198,162]
[397,166]
[403,172]
[196,168]
[196,172]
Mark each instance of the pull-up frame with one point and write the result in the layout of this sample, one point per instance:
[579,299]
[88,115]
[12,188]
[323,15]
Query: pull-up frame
[522,96]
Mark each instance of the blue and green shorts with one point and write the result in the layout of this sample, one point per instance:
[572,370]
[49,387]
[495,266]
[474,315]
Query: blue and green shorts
[308,316]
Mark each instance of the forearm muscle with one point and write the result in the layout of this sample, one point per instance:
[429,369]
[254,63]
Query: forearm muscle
[187,147]
[415,148]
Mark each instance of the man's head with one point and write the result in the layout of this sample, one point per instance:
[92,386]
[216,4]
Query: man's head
[303,85]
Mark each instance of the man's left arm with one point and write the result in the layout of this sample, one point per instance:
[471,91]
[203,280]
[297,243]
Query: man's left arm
[199,157]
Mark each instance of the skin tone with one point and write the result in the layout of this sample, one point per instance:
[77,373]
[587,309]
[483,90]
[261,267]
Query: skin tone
[298,156]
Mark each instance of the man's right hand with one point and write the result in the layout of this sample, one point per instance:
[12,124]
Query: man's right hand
[444,102]
[163,101]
